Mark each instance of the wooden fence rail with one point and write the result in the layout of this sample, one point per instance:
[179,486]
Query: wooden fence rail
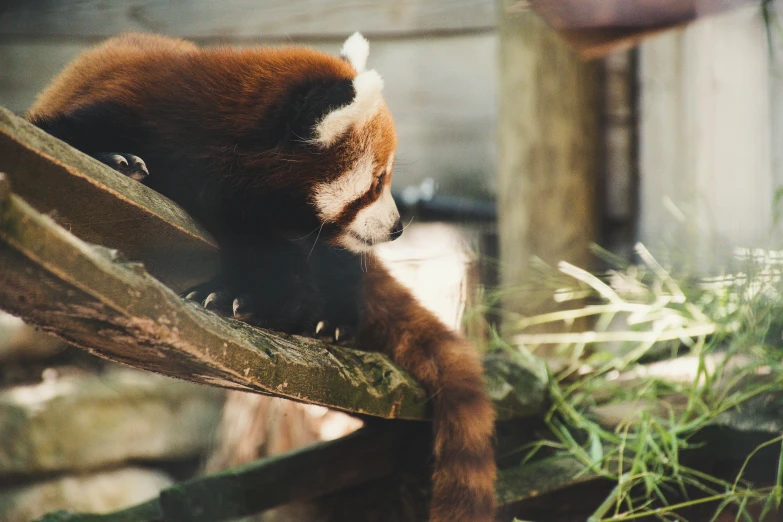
[95,298]
[92,296]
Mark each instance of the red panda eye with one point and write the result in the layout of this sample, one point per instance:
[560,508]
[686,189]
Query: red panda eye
[379,183]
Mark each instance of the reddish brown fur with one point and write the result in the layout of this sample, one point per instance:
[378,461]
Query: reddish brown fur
[146,73]
[450,369]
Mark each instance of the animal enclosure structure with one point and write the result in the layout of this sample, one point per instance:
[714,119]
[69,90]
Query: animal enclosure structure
[93,296]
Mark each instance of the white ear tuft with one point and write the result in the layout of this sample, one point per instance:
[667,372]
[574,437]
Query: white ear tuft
[368,86]
[356,49]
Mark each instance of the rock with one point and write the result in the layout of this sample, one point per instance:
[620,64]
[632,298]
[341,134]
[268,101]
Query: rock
[87,422]
[95,493]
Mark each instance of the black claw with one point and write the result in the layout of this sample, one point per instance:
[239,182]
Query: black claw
[127,164]
[215,300]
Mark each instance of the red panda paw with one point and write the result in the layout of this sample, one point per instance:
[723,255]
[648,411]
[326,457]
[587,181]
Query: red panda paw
[330,332]
[127,164]
[257,309]
[223,303]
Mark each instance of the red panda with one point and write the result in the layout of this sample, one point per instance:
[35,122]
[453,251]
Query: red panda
[285,155]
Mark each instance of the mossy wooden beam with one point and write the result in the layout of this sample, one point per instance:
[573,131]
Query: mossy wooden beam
[101,206]
[311,473]
[299,475]
[92,297]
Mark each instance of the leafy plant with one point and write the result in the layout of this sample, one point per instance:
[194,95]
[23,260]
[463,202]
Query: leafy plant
[729,327]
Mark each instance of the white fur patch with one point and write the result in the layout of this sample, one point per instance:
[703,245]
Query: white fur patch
[356,49]
[332,197]
[368,86]
[373,224]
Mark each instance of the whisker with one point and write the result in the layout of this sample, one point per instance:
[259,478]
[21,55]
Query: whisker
[307,235]
[316,241]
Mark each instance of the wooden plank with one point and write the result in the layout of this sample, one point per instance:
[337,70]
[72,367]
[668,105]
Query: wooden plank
[355,460]
[299,475]
[574,14]
[86,295]
[113,308]
[101,206]
[243,19]
[94,299]
[598,27]
[706,183]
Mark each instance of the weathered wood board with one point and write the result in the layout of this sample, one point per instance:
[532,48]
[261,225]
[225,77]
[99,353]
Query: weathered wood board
[354,460]
[101,206]
[706,176]
[114,308]
[549,155]
[272,19]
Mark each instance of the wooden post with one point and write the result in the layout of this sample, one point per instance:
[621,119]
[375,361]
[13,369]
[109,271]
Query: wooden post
[549,112]
[704,137]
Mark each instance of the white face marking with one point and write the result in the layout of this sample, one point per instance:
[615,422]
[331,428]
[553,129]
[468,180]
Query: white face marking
[372,224]
[332,197]
[356,49]
[368,86]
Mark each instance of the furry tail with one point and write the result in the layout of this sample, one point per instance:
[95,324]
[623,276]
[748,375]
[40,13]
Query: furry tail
[448,367]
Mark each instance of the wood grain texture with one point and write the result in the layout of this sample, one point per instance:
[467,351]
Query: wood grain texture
[113,308]
[101,206]
[706,183]
[299,475]
[354,462]
[549,148]
[245,19]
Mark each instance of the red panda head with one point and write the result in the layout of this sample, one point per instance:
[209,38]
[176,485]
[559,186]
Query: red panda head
[323,155]
[334,148]
[357,204]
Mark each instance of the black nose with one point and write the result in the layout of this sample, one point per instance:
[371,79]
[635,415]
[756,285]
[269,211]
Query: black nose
[396,230]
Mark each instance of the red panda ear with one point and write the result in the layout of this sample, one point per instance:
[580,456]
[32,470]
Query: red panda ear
[310,103]
[355,51]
